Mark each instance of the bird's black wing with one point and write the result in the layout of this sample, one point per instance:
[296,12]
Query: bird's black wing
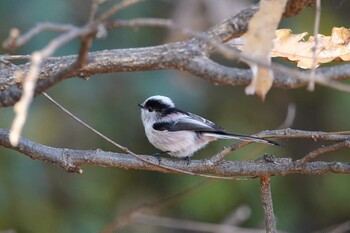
[191,123]
[206,122]
[196,123]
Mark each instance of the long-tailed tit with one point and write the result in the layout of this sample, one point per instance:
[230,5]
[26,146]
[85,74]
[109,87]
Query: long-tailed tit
[180,133]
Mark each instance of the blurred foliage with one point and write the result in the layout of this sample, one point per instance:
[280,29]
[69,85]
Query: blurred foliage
[39,197]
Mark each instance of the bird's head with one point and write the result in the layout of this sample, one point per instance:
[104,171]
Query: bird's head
[153,108]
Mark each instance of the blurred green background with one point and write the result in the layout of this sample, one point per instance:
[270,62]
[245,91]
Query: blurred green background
[38,197]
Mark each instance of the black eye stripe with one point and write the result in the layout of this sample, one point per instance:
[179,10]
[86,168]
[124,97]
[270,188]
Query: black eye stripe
[156,104]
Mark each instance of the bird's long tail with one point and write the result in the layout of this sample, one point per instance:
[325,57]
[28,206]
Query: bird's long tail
[224,135]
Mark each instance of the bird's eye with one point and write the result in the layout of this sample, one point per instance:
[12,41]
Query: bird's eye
[150,109]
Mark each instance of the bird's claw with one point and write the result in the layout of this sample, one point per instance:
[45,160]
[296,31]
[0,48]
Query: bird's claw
[157,155]
[187,158]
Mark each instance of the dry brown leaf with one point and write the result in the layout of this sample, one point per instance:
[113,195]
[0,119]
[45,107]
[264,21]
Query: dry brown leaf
[258,42]
[294,47]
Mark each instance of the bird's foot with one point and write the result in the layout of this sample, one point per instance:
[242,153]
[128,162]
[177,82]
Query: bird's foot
[187,158]
[157,155]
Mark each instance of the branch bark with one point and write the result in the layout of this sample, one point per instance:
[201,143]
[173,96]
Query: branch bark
[266,199]
[190,56]
[72,160]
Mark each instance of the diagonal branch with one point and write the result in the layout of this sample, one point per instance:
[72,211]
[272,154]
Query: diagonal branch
[16,41]
[314,154]
[190,225]
[130,215]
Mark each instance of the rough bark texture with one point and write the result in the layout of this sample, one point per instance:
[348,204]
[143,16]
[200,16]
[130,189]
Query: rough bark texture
[71,160]
[190,56]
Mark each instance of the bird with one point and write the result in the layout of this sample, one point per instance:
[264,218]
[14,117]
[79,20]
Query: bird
[179,133]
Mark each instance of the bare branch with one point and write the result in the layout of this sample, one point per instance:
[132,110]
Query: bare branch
[71,160]
[266,199]
[314,154]
[315,135]
[150,58]
[190,225]
[94,8]
[283,133]
[338,228]
[128,217]
[14,42]
[169,56]
[290,117]
[117,7]
[15,57]
[237,217]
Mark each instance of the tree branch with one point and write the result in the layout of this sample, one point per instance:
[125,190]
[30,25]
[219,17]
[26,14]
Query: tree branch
[266,199]
[71,160]
[169,56]
[286,133]
[16,40]
[188,225]
[314,154]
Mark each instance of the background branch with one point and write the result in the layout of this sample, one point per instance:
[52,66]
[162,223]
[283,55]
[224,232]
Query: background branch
[190,225]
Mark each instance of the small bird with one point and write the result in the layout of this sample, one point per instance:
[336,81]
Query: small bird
[180,133]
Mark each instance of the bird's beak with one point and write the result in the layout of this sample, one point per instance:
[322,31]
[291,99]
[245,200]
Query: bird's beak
[141,106]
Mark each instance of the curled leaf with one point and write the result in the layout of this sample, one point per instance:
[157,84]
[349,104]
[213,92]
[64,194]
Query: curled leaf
[295,48]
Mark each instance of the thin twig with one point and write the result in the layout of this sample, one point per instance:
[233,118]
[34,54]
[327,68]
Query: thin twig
[315,135]
[290,117]
[128,217]
[311,86]
[94,8]
[5,62]
[117,7]
[188,225]
[284,133]
[316,153]
[14,42]
[341,228]
[16,57]
[238,216]
[218,157]
[266,199]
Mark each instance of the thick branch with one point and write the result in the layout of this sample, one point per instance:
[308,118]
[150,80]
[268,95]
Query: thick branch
[71,160]
[187,56]
[146,59]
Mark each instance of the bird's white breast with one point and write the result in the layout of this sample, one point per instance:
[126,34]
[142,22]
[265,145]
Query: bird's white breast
[178,144]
